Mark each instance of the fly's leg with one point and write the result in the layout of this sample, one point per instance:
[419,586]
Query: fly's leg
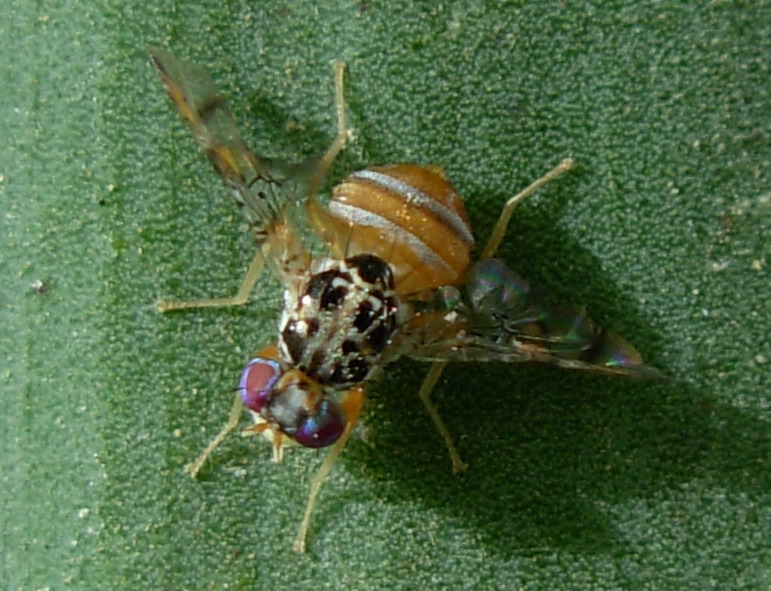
[351,405]
[342,134]
[318,215]
[242,296]
[255,268]
[492,245]
[233,418]
[503,221]
[426,388]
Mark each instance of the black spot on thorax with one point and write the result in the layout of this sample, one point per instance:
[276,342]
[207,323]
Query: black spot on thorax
[365,315]
[372,269]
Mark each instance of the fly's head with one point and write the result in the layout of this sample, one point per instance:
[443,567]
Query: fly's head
[286,403]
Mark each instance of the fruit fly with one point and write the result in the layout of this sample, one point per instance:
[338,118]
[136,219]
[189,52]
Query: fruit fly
[397,280]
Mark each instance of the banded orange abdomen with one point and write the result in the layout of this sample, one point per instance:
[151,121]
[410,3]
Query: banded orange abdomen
[409,216]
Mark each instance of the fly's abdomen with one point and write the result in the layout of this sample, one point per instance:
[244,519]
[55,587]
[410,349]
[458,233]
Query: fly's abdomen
[409,216]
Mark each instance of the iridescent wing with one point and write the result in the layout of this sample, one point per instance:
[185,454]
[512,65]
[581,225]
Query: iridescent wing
[496,318]
[262,188]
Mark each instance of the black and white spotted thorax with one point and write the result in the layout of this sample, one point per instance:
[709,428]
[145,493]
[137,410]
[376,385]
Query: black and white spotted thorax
[337,326]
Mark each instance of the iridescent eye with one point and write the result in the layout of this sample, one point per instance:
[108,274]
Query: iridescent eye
[257,382]
[322,428]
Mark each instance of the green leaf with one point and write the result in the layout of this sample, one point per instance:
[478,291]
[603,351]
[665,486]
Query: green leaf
[575,481]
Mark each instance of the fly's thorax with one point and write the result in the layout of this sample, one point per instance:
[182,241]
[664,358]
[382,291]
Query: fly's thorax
[409,216]
[341,321]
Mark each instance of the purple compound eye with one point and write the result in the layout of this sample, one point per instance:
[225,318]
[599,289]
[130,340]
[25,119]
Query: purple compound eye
[257,382]
[322,428]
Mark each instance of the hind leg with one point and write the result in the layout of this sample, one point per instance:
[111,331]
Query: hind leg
[258,262]
[503,220]
[435,372]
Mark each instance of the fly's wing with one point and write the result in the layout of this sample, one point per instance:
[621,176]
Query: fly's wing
[262,188]
[497,319]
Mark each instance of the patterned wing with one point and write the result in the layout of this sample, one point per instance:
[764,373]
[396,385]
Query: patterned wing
[262,188]
[497,319]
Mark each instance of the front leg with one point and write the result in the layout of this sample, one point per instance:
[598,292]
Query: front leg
[351,404]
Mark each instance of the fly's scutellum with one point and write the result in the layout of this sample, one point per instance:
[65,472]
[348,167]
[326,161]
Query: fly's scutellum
[396,280]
